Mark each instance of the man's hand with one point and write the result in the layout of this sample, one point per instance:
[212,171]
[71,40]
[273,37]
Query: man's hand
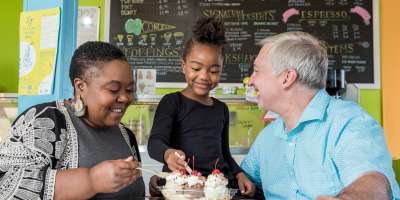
[175,162]
[246,187]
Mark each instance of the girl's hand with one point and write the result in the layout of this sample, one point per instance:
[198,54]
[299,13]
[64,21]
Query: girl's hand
[175,162]
[246,187]
[113,175]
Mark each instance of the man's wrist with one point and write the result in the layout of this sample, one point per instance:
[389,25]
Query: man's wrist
[344,196]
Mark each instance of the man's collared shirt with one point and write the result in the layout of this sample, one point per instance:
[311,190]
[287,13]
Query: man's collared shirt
[333,144]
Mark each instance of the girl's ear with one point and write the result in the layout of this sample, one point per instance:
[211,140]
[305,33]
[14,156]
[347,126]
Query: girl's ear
[183,66]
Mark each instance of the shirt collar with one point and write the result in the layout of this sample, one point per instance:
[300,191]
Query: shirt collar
[315,110]
[280,132]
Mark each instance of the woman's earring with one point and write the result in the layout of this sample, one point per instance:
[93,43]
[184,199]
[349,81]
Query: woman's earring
[79,107]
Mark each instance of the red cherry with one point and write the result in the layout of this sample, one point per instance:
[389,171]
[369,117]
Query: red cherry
[216,171]
[196,173]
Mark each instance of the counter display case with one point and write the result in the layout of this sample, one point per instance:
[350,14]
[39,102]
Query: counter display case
[8,112]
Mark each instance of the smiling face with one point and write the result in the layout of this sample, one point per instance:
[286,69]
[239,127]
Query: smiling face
[202,68]
[107,92]
[267,84]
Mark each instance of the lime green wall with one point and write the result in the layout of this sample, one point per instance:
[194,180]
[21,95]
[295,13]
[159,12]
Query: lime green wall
[371,101]
[100,4]
[396,168]
[9,50]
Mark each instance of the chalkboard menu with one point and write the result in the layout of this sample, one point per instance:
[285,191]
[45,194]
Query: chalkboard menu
[152,32]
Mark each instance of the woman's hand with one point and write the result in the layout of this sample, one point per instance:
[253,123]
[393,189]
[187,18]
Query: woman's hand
[246,187]
[175,159]
[113,175]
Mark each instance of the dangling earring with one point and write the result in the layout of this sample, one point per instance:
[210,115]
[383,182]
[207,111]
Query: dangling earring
[79,107]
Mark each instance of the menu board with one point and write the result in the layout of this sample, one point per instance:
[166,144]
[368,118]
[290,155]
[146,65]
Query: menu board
[152,32]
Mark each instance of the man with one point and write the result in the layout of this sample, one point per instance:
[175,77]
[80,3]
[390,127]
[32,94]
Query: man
[319,147]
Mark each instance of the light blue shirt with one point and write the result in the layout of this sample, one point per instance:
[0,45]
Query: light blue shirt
[333,143]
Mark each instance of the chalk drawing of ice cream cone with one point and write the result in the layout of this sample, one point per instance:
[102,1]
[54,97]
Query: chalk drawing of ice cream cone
[179,37]
[143,40]
[153,37]
[130,39]
[167,36]
[120,37]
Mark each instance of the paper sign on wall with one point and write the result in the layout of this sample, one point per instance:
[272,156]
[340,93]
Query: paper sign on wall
[146,81]
[88,24]
[39,31]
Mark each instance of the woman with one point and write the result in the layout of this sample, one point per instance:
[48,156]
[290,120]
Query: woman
[77,149]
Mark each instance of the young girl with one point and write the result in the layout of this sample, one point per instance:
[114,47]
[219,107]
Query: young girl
[190,123]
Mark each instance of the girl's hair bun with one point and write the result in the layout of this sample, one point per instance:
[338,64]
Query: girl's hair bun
[209,30]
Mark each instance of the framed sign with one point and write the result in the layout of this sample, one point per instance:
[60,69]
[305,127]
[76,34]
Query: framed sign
[152,33]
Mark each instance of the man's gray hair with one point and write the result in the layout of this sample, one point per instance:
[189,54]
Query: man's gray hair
[300,51]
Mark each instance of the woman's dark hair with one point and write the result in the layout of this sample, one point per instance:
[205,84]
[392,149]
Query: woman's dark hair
[92,55]
[207,31]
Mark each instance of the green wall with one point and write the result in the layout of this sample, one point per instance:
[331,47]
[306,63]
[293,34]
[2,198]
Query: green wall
[396,168]
[371,101]
[9,50]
